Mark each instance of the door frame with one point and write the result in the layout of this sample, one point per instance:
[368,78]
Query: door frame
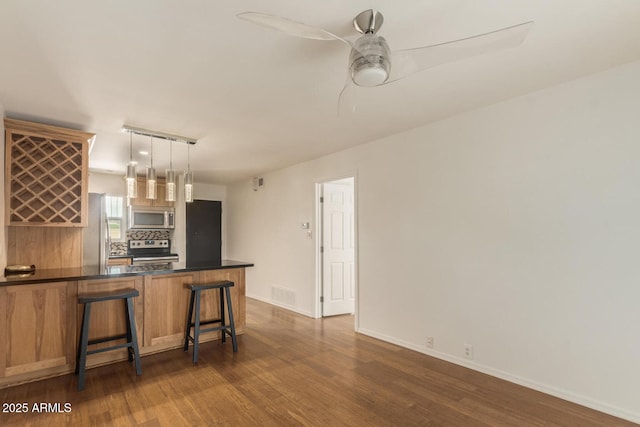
[318,243]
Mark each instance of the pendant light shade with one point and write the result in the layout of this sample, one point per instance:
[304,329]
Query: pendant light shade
[151,183]
[188,180]
[132,185]
[188,187]
[170,194]
[151,177]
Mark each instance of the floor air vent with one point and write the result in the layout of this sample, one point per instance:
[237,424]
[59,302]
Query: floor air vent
[283,296]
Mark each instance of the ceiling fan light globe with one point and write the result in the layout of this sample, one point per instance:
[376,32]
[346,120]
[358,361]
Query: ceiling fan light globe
[370,75]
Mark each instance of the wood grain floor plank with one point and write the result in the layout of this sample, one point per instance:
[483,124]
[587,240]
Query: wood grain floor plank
[291,370]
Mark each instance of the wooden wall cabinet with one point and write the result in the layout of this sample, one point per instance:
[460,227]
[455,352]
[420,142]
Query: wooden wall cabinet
[37,331]
[45,247]
[142,200]
[46,175]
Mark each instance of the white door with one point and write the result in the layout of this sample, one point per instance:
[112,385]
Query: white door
[338,274]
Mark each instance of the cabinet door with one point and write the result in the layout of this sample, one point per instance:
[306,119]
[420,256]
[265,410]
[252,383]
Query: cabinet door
[166,300]
[38,334]
[238,300]
[46,247]
[142,200]
[161,193]
[108,317]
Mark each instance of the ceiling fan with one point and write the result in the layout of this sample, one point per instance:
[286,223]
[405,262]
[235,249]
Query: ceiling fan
[372,63]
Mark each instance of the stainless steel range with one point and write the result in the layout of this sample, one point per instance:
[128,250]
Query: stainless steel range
[151,252]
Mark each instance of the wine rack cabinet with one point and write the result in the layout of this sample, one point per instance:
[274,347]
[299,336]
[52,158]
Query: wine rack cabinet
[46,174]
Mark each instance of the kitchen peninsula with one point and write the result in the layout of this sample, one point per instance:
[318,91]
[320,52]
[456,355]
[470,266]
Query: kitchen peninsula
[42,316]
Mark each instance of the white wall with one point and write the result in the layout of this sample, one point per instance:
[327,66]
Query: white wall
[265,228]
[514,228]
[113,185]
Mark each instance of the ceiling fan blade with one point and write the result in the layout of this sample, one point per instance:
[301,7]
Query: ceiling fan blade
[409,61]
[347,98]
[290,27]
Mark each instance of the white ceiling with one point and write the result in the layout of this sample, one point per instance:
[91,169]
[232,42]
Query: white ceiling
[258,100]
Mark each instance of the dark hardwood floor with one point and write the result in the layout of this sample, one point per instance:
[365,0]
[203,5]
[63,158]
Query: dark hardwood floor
[293,370]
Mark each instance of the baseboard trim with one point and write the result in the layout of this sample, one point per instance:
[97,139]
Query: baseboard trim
[286,307]
[543,388]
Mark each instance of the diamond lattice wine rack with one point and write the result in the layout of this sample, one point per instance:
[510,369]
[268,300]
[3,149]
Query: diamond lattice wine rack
[46,174]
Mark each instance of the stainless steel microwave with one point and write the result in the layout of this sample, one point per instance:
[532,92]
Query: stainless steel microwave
[151,217]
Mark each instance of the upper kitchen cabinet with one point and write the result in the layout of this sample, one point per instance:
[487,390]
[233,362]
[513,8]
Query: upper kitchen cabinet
[142,200]
[46,175]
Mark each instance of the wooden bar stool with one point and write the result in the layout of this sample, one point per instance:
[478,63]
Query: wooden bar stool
[131,335]
[223,287]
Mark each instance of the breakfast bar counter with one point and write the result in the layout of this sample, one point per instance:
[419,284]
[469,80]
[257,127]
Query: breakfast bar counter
[109,272]
[41,320]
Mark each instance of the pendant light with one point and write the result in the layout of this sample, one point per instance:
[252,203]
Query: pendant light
[188,179]
[132,185]
[151,177]
[170,194]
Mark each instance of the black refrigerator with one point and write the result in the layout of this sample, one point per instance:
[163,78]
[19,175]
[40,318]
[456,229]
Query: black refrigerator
[204,233]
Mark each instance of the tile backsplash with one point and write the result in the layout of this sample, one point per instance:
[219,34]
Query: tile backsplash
[120,248]
[148,234]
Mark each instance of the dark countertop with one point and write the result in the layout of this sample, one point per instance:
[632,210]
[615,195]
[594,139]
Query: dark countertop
[94,272]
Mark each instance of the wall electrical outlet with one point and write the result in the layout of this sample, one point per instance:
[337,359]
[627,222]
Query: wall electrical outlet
[429,342]
[468,351]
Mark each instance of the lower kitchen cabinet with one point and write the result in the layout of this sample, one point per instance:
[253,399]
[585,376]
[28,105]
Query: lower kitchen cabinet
[38,331]
[239,302]
[41,322]
[166,301]
[165,310]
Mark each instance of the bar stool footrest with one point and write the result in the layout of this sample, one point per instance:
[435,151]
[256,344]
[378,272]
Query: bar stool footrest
[113,347]
[107,339]
[207,322]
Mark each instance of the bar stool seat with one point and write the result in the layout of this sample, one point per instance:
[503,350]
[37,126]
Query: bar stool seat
[131,335]
[230,329]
